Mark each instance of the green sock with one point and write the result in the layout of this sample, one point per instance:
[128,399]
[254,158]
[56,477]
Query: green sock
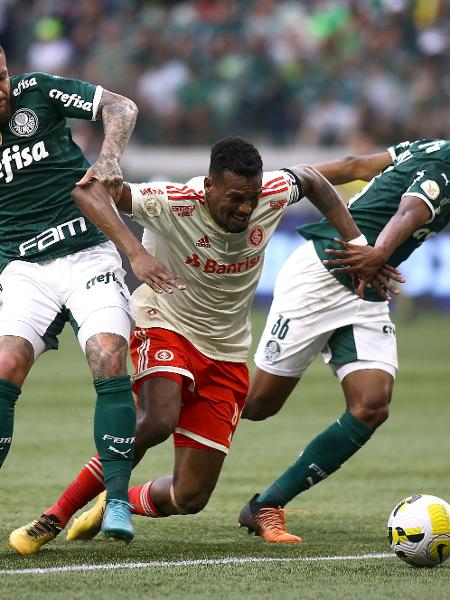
[321,457]
[9,392]
[114,432]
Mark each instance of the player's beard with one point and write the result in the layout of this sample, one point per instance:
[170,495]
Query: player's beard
[6,111]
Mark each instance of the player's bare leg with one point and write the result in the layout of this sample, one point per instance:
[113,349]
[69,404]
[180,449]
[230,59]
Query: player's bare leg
[156,418]
[157,413]
[367,394]
[114,430]
[194,478]
[187,491]
[267,395]
[16,359]
[114,427]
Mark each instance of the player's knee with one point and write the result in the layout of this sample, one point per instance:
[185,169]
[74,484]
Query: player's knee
[258,407]
[106,354]
[153,429]
[191,501]
[373,414]
[13,366]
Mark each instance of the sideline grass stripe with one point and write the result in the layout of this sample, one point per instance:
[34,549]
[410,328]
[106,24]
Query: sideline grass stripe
[187,563]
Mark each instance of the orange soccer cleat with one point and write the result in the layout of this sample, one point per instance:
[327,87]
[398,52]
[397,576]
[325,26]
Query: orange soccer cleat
[267,521]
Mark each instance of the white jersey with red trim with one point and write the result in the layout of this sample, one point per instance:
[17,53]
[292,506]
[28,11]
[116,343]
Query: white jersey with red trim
[221,270]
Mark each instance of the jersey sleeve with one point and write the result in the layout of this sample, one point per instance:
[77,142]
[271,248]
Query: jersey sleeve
[432,185]
[281,186]
[150,205]
[71,97]
[398,149]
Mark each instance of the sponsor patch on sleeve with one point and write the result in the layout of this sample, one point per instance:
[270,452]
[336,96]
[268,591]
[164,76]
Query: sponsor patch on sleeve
[431,189]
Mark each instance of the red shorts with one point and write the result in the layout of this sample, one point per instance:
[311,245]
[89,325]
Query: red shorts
[213,391]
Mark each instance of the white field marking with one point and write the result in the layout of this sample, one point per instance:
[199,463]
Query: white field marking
[154,564]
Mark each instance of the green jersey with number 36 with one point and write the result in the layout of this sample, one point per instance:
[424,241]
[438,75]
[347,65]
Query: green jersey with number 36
[39,166]
[420,168]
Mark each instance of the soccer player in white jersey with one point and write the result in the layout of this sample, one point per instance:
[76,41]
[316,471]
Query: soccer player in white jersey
[189,349]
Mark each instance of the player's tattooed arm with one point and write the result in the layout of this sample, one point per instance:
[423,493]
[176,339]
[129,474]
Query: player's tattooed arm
[119,117]
[94,201]
[326,199]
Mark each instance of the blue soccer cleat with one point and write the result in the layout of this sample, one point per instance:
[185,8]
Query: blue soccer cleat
[117,521]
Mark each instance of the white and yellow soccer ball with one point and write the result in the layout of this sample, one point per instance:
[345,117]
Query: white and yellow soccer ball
[419,530]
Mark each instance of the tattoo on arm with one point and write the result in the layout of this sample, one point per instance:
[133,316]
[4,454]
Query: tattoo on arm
[119,117]
[106,354]
[326,199]
[317,189]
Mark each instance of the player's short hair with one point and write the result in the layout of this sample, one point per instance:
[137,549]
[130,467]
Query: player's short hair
[235,155]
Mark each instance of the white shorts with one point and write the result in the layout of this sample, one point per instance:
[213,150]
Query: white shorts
[312,312]
[38,298]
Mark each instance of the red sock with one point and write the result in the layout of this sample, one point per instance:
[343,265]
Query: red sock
[141,499]
[86,486]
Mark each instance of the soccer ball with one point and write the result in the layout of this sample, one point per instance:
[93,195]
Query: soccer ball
[419,530]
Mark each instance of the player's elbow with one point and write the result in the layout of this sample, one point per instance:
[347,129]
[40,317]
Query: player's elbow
[78,195]
[133,107]
[356,168]
[130,106]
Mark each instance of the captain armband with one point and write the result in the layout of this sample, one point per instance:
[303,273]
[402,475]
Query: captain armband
[297,190]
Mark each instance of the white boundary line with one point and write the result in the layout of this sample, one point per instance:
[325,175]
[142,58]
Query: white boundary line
[154,564]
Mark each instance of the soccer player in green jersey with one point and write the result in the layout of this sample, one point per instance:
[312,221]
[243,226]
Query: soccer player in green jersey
[55,266]
[316,311]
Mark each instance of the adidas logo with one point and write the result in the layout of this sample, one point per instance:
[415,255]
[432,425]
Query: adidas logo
[203,242]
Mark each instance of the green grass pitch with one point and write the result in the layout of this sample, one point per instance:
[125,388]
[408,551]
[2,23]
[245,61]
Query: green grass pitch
[344,516]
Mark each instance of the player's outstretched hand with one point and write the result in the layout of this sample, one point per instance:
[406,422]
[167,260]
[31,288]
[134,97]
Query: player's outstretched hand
[148,269]
[108,172]
[364,261]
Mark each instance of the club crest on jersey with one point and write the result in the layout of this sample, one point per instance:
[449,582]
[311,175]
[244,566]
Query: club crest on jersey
[164,355]
[256,236]
[272,350]
[431,189]
[24,122]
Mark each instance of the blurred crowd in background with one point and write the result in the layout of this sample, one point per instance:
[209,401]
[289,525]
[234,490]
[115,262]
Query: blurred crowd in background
[351,72]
